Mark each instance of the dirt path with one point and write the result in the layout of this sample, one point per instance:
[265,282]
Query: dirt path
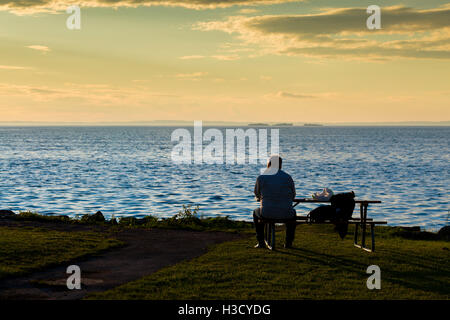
[145,252]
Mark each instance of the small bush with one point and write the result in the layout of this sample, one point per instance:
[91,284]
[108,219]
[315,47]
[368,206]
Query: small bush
[186,216]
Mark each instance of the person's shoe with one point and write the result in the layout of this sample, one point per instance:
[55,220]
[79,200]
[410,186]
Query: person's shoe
[288,245]
[260,246]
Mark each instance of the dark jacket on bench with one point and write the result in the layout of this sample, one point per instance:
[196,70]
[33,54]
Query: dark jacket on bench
[276,193]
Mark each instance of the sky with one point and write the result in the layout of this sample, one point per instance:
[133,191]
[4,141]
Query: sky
[224,60]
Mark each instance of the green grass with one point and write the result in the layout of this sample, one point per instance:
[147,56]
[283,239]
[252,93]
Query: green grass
[27,249]
[320,266]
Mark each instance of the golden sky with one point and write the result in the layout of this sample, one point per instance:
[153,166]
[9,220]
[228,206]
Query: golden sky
[222,60]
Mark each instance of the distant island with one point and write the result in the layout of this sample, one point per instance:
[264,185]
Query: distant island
[283,124]
[273,125]
[313,125]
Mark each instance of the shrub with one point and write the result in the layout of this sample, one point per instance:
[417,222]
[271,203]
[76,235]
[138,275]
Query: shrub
[186,216]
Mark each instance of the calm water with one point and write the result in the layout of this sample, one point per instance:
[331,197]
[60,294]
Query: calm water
[128,171]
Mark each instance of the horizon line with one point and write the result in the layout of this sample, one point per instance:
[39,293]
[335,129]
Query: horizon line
[224,123]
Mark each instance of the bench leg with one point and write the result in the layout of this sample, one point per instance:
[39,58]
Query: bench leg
[363,224]
[269,235]
[266,234]
[356,237]
[355,241]
[272,226]
[372,231]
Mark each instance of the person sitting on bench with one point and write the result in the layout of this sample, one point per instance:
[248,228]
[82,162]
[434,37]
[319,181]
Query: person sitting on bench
[275,190]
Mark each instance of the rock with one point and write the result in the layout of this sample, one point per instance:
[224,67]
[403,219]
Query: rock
[444,231]
[415,229]
[92,218]
[6,213]
[98,216]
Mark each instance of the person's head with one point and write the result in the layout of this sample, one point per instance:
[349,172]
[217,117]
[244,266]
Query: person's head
[274,159]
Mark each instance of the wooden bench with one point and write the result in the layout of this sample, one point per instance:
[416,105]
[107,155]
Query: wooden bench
[363,221]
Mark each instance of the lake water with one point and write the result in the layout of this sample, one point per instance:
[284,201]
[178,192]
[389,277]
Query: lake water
[127,171]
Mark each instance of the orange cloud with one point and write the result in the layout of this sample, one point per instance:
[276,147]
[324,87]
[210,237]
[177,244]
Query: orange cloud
[342,33]
[36,6]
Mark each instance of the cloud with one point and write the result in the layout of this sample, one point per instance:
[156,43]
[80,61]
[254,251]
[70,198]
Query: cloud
[226,57]
[43,49]
[192,57]
[283,94]
[140,81]
[217,57]
[36,6]
[342,33]
[194,76]
[97,94]
[36,92]
[3,67]
[248,10]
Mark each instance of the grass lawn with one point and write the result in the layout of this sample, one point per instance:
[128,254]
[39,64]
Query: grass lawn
[27,249]
[320,266]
